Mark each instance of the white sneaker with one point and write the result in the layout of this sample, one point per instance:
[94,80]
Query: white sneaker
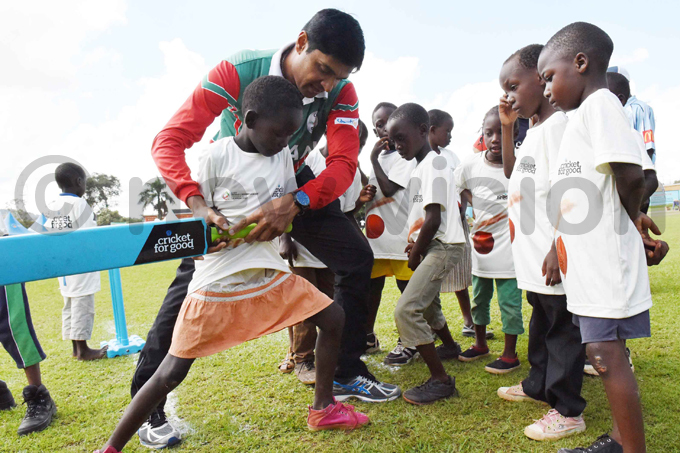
[514,393]
[555,426]
[158,433]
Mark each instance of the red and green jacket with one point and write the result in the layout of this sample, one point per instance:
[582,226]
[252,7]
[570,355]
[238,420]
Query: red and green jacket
[220,92]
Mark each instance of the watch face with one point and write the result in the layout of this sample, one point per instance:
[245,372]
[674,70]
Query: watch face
[302,198]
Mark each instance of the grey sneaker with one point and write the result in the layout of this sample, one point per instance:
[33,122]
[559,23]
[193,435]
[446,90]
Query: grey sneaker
[400,355]
[158,433]
[306,372]
[40,409]
[365,388]
[431,391]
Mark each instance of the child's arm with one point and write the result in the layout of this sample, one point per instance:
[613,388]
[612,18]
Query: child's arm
[287,249]
[388,187]
[551,267]
[508,118]
[651,184]
[433,219]
[630,184]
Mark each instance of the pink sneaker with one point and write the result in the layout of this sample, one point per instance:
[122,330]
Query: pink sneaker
[108,449]
[555,426]
[514,393]
[336,416]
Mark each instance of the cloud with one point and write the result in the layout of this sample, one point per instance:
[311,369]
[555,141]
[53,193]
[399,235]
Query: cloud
[638,56]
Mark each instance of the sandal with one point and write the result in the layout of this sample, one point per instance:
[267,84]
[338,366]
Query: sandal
[288,364]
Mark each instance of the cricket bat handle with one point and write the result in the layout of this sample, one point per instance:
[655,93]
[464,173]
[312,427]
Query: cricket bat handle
[215,234]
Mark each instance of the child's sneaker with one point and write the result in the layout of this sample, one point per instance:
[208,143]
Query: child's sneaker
[473,353]
[6,398]
[603,444]
[108,449]
[469,331]
[431,391]
[400,355]
[336,416]
[555,426]
[502,365]
[372,343]
[306,372]
[157,432]
[365,388]
[514,393]
[40,409]
[448,352]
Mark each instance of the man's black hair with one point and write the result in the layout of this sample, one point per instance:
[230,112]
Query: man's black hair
[413,113]
[527,56]
[363,132]
[586,38]
[494,111]
[268,94]
[381,105]
[437,117]
[618,84]
[67,174]
[336,34]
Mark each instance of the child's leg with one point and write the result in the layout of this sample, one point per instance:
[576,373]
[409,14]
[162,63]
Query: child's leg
[611,362]
[374,296]
[33,375]
[330,322]
[482,292]
[66,322]
[401,284]
[534,384]
[304,333]
[510,304]
[82,323]
[463,297]
[169,375]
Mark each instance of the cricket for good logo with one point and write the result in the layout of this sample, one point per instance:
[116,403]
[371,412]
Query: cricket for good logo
[173,242]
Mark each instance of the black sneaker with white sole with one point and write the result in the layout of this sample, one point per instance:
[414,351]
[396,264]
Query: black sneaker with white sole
[431,391]
[158,433]
[603,444]
[365,388]
[400,355]
[40,409]
[448,352]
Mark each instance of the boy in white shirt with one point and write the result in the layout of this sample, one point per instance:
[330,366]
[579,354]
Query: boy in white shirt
[436,241]
[597,189]
[555,351]
[71,212]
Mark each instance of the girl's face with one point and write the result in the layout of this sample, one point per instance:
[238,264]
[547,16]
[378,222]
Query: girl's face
[491,131]
[523,86]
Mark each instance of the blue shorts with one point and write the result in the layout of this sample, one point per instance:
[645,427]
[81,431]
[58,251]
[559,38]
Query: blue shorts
[597,330]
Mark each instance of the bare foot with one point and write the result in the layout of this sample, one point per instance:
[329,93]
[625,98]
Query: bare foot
[92,354]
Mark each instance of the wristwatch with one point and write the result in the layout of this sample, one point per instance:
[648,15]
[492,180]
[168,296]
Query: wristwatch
[301,200]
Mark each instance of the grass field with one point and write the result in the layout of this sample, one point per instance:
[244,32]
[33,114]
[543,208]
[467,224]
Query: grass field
[237,401]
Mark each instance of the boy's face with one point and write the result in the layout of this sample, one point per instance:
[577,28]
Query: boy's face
[441,135]
[270,133]
[315,72]
[379,119]
[492,134]
[564,79]
[408,138]
[523,87]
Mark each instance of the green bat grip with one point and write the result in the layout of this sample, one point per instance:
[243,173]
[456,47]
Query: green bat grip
[215,235]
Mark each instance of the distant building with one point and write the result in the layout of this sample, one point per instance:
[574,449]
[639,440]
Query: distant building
[668,195]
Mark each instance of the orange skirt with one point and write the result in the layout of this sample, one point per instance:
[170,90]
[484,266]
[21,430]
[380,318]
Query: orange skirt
[211,322]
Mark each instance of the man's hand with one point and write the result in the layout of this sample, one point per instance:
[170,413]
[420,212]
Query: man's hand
[507,114]
[271,219]
[551,267]
[367,193]
[212,217]
[414,256]
[287,249]
[380,145]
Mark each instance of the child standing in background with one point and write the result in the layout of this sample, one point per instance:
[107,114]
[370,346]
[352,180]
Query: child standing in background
[481,178]
[71,212]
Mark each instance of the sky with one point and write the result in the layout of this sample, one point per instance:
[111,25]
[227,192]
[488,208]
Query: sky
[96,81]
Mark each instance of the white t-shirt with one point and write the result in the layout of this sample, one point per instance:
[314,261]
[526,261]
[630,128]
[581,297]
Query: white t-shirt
[387,217]
[492,252]
[432,182]
[531,232]
[237,183]
[70,212]
[602,258]
[317,163]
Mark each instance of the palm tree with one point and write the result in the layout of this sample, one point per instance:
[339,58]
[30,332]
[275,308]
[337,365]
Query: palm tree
[154,194]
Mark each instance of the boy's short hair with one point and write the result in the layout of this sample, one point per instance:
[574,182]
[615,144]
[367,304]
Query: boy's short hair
[381,105]
[583,37]
[618,84]
[67,174]
[527,56]
[363,132]
[269,94]
[413,113]
[437,117]
[336,34]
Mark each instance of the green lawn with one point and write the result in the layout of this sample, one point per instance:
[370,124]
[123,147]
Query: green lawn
[237,401]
